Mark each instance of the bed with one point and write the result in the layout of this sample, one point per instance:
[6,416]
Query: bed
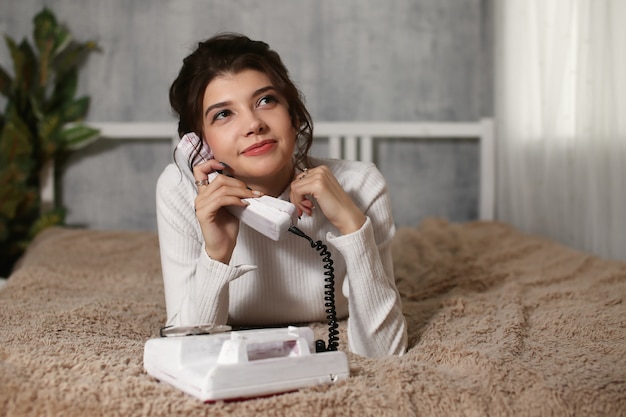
[500,323]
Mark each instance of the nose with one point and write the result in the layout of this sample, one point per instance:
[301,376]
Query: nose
[255,125]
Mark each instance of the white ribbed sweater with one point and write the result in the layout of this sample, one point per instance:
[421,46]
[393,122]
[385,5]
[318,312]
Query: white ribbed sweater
[279,283]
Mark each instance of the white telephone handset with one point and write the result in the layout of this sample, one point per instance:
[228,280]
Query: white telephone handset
[267,215]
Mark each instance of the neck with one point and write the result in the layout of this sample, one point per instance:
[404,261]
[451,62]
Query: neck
[275,184]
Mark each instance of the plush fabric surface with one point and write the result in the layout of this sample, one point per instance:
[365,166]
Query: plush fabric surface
[500,324]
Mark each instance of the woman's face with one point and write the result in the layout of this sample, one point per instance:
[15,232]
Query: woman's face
[246,123]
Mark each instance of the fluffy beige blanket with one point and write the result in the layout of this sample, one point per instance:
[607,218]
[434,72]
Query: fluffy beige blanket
[500,324]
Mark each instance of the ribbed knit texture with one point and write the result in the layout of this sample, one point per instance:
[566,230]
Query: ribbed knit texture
[280,283]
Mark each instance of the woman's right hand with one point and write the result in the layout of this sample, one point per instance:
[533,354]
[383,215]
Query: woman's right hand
[219,227]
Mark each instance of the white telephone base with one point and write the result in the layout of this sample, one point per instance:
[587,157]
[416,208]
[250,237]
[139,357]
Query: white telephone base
[243,364]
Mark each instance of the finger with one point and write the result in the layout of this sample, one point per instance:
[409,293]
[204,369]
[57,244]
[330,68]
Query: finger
[307,206]
[207,206]
[230,181]
[209,209]
[307,203]
[300,175]
[202,171]
[302,203]
[221,192]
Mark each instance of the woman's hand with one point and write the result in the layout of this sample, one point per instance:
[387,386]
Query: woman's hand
[335,203]
[219,227]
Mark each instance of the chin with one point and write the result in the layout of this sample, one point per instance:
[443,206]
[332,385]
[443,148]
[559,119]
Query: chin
[264,167]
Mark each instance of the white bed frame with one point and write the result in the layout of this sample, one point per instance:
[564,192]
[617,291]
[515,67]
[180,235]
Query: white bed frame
[346,140]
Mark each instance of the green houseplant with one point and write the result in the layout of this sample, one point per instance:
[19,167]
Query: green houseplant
[41,123]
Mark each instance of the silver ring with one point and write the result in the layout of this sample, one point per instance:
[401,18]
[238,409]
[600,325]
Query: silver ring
[201,183]
[304,171]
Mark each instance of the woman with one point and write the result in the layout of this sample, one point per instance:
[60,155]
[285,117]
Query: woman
[237,96]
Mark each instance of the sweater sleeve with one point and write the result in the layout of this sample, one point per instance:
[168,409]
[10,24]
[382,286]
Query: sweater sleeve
[196,286]
[376,325]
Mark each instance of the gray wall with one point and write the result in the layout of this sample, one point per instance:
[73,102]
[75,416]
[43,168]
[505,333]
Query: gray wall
[356,60]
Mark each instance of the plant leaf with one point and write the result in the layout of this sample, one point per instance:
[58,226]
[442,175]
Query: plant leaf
[62,39]
[44,27]
[75,110]
[18,62]
[36,107]
[15,140]
[73,55]
[79,136]
[29,206]
[48,130]
[5,83]
[49,125]
[51,218]
[11,191]
[64,88]
[17,198]
[48,33]
[24,62]
[29,65]
[44,64]
[45,24]
[16,54]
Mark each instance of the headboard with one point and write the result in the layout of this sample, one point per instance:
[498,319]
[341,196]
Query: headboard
[347,140]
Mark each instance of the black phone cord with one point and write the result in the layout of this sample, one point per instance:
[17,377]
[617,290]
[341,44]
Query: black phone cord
[329,293]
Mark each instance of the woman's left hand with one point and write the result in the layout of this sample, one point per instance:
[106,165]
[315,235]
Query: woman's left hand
[320,184]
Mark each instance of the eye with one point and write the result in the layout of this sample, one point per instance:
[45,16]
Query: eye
[267,100]
[222,114]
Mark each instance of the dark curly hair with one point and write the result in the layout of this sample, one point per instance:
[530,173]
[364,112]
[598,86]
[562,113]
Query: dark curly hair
[232,53]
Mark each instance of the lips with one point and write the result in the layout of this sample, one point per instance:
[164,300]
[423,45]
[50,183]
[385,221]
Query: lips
[259,148]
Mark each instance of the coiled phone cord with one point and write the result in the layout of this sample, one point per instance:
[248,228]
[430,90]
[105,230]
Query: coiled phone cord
[329,293]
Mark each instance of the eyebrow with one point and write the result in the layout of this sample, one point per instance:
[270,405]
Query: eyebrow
[226,103]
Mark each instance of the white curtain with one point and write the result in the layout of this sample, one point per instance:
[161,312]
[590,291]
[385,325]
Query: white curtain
[560,110]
